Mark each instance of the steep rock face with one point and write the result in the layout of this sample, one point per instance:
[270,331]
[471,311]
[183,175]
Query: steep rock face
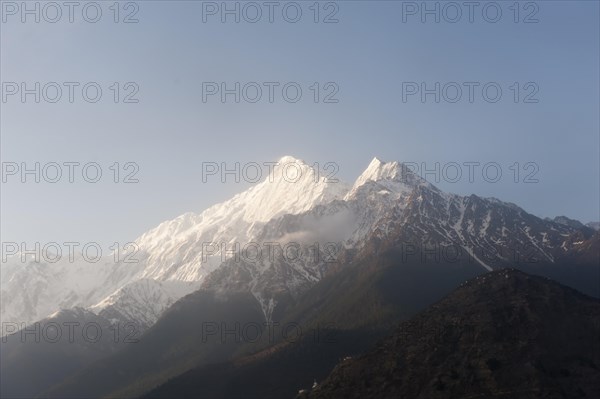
[505,333]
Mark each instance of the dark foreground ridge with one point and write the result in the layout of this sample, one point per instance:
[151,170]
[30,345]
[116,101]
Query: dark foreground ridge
[505,334]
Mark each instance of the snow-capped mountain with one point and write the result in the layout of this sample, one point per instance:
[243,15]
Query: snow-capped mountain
[389,206]
[173,258]
[320,237]
[31,289]
[174,250]
[279,238]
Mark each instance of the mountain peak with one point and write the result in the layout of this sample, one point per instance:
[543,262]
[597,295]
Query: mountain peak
[393,175]
[290,159]
[378,170]
[376,162]
[293,187]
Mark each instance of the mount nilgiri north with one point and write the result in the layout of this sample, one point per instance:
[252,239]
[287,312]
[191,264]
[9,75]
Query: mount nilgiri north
[316,219]
[311,251]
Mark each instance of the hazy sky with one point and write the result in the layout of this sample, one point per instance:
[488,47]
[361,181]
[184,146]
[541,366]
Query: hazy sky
[368,56]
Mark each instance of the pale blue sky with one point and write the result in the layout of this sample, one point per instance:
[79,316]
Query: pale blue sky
[368,54]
